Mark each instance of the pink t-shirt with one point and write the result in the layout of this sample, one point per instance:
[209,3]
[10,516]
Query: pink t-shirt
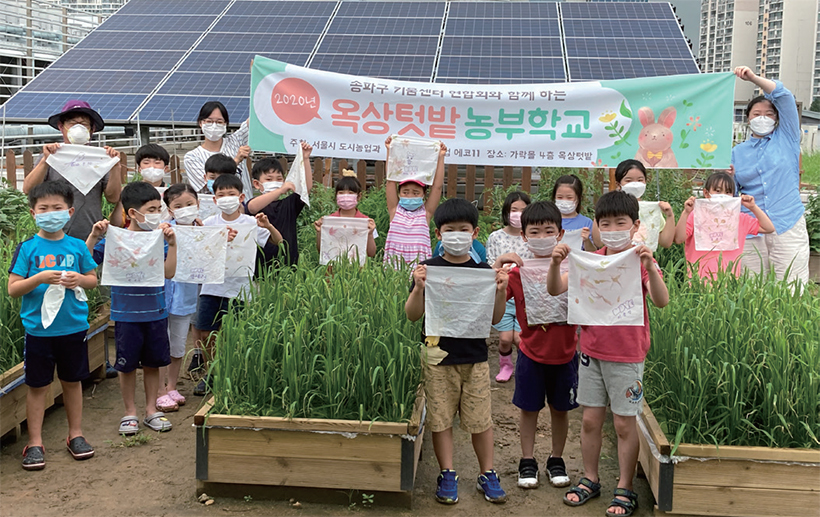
[712,261]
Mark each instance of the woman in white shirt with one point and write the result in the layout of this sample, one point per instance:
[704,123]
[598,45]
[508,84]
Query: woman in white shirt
[213,120]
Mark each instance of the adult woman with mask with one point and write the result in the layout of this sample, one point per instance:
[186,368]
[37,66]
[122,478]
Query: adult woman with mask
[767,166]
[213,120]
[77,121]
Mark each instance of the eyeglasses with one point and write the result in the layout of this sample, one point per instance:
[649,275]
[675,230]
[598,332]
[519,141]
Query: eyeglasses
[219,122]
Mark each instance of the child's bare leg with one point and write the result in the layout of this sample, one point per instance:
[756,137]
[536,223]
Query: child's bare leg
[163,375]
[128,385]
[150,379]
[35,412]
[591,438]
[73,402]
[628,448]
[559,425]
[505,341]
[528,424]
[483,446]
[443,446]
[172,375]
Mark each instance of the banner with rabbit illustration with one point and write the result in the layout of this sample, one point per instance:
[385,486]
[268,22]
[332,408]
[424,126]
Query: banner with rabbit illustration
[682,121]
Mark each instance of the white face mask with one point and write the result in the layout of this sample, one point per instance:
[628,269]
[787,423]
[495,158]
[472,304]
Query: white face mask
[542,246]
[270,186]
[152,221]
[617,240]
[213,132]
[566,206]
[78,134]
[762,125]
[152,174]
[457,243]
[636,188]
[186,214]
[228,204]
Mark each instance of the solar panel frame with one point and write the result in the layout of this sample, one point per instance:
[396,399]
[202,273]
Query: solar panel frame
[411,68]
[528,68]
[95,81]
[500,47]
[379,45]
[269,25]
[591,69]
[502,10]
[234,62]
[146,60]
[185,108]
[526,27]
[165,23]
[38,106]
[140,40]
[152,7]
[282,8]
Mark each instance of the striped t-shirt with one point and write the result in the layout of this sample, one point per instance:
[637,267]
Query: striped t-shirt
[409,236]
[195,160]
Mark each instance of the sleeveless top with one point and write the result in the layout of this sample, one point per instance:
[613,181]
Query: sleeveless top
[409,237]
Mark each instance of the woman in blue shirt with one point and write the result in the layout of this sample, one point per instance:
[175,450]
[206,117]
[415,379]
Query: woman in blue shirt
[767,166]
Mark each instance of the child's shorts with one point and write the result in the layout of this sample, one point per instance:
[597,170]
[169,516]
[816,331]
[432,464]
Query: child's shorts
[143,342]
[458,388]
[69,353]
[536,382]
[211,309]
[178,327]
[618,384]
[508,322]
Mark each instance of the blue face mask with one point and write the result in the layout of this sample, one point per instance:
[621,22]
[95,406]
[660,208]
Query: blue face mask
[211,186]
[411,203]
[52,221]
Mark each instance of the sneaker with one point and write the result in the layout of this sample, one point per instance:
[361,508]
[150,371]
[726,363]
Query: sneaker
[506,370]
[110,371]
[528,473]
[34,457]
[79,448]
[447,489]
[490,486]
[557,472]
[203,386]
[196,366]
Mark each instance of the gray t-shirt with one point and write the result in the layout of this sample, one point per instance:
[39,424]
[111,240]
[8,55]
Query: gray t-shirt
[87,208]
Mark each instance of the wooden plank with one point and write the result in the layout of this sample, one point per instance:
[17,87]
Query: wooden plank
[747,474]
[28,163]
[489,181]
[13,408]
[324,496]
[124,167]
[507,177]
[742,502]
[299,445]
[750,453]
[418,412]
[469,184]
[283,161]
[650,465]
[526,179]
[324,473]
[654,429]
[199,416]
[452,180]
[379,174]
[318,170]
[361,172]
[612,182]
[11,168]
[11,374]
[176,177]
[307,424]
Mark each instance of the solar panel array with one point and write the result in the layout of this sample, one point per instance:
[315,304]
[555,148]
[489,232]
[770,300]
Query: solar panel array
[193,51]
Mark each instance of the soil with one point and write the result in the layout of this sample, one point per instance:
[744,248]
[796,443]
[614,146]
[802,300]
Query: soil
[156,478]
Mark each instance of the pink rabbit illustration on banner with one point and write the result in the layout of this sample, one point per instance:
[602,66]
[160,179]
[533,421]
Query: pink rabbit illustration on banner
[604,289]
[655,139]
[458,302]
[716,224]
[343,236]
[133,259]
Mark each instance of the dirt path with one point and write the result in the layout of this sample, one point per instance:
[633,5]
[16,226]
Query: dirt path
[157,478]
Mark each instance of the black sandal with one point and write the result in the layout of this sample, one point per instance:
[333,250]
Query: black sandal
[628,506]
[583,495]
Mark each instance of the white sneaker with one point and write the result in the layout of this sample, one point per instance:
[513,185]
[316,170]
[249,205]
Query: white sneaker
[528,473]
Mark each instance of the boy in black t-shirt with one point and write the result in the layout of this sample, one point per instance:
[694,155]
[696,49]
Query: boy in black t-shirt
[456,373]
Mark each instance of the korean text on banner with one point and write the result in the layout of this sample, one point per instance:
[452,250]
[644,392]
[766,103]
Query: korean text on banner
[240,259]
[201,254]
[580,124]
[133,259]
[81,165]
[541,308]
[716,224]
[652,224]
[343,236]
[605,289]
[412,159]
[458,302]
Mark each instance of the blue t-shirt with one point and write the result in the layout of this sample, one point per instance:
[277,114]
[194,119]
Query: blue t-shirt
[576,223]
[38,254]
[134,304]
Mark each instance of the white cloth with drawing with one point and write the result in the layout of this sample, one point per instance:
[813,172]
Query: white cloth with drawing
[459,301]
[81,165]
[716,222]
[573,239]
[652,223]
[412,159]
[541,307]
[53,300]
[296,175]
[605,290]
[133,259]
[201,254]
[343,236]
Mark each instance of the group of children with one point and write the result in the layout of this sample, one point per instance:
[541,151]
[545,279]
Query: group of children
[152,323]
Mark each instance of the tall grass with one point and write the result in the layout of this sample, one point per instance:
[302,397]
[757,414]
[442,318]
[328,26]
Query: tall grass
[736,362]
[811,169]
[313,344]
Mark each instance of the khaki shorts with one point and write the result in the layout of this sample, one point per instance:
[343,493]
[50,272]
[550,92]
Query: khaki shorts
[462,388]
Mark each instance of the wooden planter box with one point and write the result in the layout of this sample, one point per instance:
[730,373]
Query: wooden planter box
[730,480]
[311,459]
[13,389]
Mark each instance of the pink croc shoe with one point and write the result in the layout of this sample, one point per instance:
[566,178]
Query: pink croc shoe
[166,404]
[177,397]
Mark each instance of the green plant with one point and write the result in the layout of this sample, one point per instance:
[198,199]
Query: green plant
[132,441]
[15,218]
[813,222]
[736,361]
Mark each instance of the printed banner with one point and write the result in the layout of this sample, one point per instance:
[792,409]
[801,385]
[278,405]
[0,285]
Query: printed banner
[573,239]
[605,289]
[240,258]
[458,302]
[541,308]
[207,206]
[652,223]
[133,259]
[412,159]
[682,121]
[201,254]
[343,236]
[81,165]
[716,224]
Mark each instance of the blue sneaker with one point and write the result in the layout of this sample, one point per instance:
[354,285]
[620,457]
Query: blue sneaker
[490,486]
[447,489]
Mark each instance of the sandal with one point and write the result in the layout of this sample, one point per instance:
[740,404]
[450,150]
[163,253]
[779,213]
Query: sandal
[157,422]
[583,495]
[177,397]
[79,448]
[628,506]
[34,457]
[166,404]
[129,425]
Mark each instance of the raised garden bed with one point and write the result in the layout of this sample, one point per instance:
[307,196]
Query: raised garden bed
[13,389]
[728,480]
[274,455]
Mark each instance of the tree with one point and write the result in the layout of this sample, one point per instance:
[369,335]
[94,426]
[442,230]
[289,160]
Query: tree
[815,104]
